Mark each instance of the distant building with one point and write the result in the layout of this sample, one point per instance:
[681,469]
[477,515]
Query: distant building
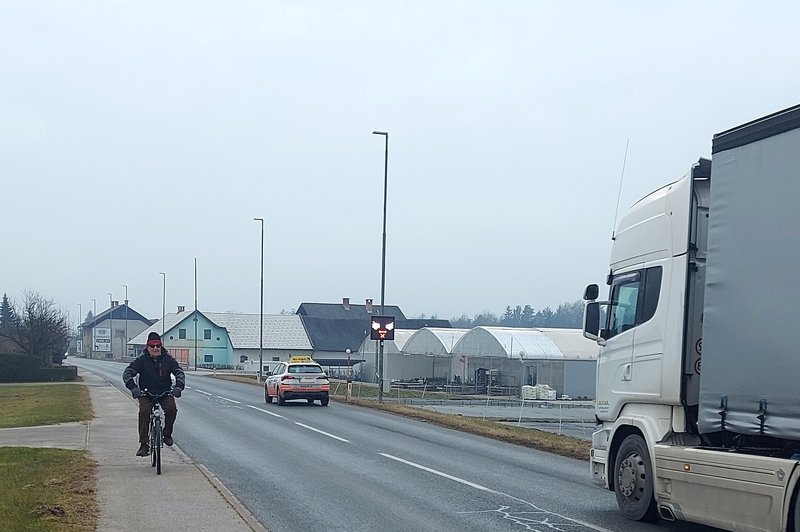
[228,340]
[338,330]
[107,334]
[496,359]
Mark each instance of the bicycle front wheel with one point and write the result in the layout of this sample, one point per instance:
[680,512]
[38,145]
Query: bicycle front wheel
[152,442]
[157,446]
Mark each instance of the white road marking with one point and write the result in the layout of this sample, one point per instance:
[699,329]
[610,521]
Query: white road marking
[266,411]
[322,432]
[204,393]
[229,400]
[484,488]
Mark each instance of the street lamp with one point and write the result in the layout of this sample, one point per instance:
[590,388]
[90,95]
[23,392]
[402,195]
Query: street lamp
[80,329]
[111,317]
[94,324]
[125,347]
[163,300]
[261,334]
[383,254]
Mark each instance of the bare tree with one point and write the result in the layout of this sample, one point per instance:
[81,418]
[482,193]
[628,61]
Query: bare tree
[41,329]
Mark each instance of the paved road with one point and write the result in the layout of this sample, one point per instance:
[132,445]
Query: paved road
[346,468]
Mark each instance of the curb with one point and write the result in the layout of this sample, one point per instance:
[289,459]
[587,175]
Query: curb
[229,497]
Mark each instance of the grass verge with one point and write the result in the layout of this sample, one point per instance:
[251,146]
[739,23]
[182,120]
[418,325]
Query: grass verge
[531,438]
[47,490]
[29,406]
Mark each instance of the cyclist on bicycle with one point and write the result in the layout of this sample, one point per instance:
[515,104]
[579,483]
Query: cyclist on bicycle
[154,367]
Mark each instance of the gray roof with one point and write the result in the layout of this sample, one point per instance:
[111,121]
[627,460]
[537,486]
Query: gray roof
[339,311]
[281,331]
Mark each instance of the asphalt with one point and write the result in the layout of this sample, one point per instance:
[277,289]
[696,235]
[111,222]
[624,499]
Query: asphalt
[186,496]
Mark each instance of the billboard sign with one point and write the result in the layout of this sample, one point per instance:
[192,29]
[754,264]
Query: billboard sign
[101,339]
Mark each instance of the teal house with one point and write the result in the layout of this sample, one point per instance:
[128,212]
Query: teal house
[226,340]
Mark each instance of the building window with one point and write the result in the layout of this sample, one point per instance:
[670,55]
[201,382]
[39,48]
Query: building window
[206,334]
[208,358]
[182,334]
[276,359]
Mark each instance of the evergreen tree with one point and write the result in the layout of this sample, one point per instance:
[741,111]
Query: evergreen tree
[508,317]
[7,315]
[544,318]
[527,316]
[516,320]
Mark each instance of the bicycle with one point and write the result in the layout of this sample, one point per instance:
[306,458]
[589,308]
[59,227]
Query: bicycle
[156,428]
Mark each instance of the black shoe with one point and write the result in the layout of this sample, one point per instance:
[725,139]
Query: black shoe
[168,441]
[144,450]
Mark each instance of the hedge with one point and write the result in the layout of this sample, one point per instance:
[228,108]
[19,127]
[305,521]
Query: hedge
[24,368]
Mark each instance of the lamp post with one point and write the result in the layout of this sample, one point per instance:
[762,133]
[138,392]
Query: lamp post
[261,333]
[111,317]
[80,329]
[125,347]
[163,300]
[94,324]
[383,253]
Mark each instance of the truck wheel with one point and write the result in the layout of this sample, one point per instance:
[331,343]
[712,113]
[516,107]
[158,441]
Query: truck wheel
[795,515]
[633,480]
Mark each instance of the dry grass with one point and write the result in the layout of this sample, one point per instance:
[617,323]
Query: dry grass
[47,490]
[44,404]
[532,438]
[51,490]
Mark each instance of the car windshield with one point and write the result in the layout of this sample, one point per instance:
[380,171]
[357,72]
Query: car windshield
[305,368]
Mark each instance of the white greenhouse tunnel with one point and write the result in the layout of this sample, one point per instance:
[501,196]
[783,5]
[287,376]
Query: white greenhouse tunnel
[503,358]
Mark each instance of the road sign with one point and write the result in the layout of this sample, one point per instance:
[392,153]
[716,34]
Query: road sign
[382,328]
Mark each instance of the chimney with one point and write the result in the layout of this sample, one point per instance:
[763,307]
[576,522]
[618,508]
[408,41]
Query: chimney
[114,303]
[181,308]
[369,306]
[346,303]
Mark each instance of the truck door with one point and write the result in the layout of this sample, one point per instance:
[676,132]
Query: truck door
[615,365]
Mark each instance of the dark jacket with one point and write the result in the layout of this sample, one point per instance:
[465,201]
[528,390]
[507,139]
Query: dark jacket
[154,373]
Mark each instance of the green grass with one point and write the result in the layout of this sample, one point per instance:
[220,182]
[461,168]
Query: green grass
[47,490]
[365,394]
[45,404]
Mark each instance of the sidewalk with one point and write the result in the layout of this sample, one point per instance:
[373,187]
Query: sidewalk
[185,497]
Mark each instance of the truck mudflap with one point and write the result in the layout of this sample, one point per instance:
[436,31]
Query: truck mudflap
[598,457]
[723,489]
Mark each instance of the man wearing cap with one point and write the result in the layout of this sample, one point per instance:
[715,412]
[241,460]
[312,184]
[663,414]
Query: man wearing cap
[154,366]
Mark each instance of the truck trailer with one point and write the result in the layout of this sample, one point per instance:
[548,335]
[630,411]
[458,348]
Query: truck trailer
[698,373]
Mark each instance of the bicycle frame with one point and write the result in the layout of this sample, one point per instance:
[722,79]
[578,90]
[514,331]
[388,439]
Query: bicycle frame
[156,428]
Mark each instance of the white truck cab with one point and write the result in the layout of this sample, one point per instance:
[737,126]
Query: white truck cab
[709,257]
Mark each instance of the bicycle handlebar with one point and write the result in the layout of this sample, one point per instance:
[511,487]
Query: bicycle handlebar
[161,395]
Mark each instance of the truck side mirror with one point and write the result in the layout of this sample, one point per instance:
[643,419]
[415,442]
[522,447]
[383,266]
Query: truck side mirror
[591,319]
[591,293]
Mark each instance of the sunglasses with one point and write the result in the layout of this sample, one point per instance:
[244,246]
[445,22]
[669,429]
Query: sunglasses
[153,345]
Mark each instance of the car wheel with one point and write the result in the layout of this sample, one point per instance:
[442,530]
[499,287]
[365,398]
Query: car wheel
[310,401]
[279,397]
[267,396]
[324,401]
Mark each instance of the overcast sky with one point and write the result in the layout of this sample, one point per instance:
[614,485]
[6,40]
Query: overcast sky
[136,136]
